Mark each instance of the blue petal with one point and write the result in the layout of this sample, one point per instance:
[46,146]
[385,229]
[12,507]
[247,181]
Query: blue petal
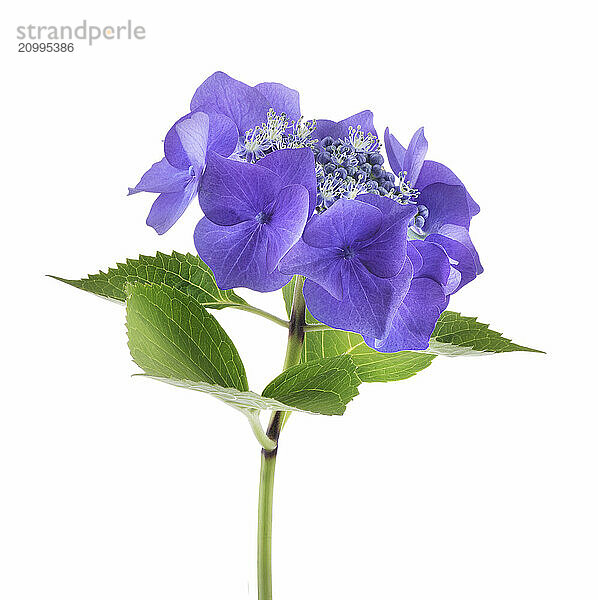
[238,255]
[321,265]
[446,204]
[161,177]
[462,262]
[384,252]
[168,207]
[368,304]
[287,216]
[281,98]
[220,93]
[461,235]
[435,261]
[415,155]
[344,224]
[415,319]
[395,152]
[340,130]
[433,172]
[222,138]
[234,191]
[295,166]
[193,133]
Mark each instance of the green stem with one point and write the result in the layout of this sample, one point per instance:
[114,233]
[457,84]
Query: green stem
[262,313]
[268,465]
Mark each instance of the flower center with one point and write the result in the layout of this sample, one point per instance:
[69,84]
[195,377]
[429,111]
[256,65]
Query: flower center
[262,218]
[345,167]
[347,253]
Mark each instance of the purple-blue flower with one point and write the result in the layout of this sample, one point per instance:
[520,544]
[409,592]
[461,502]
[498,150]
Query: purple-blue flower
[445,207]
[222,111]
[253,215]
[354,258]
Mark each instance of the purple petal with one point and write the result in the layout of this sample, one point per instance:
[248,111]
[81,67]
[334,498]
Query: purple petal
[161,177]
[286,223]
[415,319]
[345,223]
[364,119]
[237,255]
[281,98]
[234,191]
[384,252]
[463,266]
[327,128]
[461,235]
[222,138]
[433,172]
[415,155]
[223,135]
[446,204]
[295,166]
[321,265]
[435,261]
[168,207]
[193,133]
[222,94]
[395,152]
[368,303]
[340,130]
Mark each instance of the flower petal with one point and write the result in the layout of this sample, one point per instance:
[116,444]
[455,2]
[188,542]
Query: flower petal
[193,133]
[295,166]
[364,119]
[321,265]
[234,191]
[461,235]
[445,204]
[384,252]
[237,255]
[415,319]
[286,223]
[220,93]
[345,223]
[368,304]
[462,261]
[435,261]
[281,98]
[161,177]
[168,207]
[395,152]
[415,155]
[223,135]
[433,172]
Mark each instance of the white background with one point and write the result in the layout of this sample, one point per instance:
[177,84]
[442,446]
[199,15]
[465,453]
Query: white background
[474,480]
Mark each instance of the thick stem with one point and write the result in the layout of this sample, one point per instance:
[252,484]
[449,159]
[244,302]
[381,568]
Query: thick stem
[268,464]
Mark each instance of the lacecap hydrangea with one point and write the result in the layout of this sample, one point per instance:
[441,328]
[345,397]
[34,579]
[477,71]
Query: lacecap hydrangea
[381,248]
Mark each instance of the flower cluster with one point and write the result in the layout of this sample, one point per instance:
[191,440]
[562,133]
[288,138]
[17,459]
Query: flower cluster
[381,249]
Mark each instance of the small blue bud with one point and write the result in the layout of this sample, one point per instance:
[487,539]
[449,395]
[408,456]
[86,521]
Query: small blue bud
[327,141]
[423,211]
[376,159]
[366,169]
[376,170]
[324,158]
[341,173]
[362,158]
[386,186]
[329,168]
[419,221]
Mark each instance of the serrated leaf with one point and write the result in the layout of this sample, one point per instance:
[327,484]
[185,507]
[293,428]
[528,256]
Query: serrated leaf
[184,272]
[372,366]
[457,335]
[171,335]
[324,386]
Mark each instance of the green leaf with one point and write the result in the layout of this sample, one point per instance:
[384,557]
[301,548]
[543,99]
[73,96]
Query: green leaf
[184,272]
[456,335]
[175,340]
[324,386]
[171,335]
